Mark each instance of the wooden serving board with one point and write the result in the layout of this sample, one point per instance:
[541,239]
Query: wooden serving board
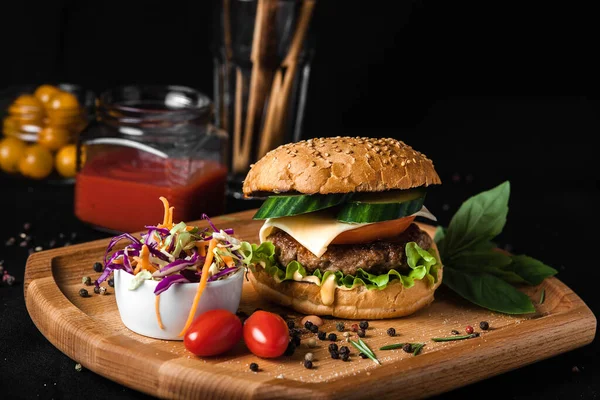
[90,331]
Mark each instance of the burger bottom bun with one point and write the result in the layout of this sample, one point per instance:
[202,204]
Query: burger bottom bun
[359,303]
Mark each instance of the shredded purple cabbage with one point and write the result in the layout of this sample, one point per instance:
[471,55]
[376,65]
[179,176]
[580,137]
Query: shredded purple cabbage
[116,239]
[151,228]
[169,281]
[176,266]
[190,274]
[221,273]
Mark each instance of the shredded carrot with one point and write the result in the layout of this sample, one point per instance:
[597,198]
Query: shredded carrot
[170,220]
[228,261]
[157,309]
[189,228]
[143,261]
[166,217]
[201,286]
[118,261]
[201,245]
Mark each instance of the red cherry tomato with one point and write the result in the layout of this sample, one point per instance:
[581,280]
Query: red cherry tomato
[213,332]
[266,334]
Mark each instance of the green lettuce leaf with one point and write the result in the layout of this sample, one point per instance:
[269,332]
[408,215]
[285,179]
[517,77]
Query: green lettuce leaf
[423,265]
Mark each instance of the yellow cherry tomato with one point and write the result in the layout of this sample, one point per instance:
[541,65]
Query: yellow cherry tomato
[36,162]
[54,137]
[11,151]
[63,101]
[10,126]
[65,161]
[45,92]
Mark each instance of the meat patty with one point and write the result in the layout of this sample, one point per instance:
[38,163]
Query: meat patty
[375,257]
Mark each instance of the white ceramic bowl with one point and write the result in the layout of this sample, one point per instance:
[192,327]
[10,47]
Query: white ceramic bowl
[137,311]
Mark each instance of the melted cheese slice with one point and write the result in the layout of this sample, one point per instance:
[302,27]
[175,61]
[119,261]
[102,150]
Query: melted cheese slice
[316,230]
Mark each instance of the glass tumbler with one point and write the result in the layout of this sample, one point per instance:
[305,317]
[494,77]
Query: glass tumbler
[148,142]
[262,53]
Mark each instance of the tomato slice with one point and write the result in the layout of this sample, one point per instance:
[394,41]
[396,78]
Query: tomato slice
[213,332]
[379,230]
[266,334]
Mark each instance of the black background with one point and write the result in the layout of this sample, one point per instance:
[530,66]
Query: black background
[489,91]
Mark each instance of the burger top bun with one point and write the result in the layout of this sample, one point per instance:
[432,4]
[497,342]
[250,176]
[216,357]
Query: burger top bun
[340,165]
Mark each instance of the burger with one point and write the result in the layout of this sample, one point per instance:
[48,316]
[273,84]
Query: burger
[339,236]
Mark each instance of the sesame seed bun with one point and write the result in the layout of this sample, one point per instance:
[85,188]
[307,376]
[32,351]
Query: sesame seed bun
[340,165]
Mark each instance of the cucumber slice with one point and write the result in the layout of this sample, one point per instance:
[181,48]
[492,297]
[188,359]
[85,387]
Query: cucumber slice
[378,207]
[285,206]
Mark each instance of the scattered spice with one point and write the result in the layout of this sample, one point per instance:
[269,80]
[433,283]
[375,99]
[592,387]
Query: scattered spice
[311,342]
[11,241]
[484,325]
[313,319]
[575,369]
[363,324]
[83,293]
[407,348]
[346,334]
[451,338]
[97,267]
[354,327]
[97,289]
[309,356]
[308,364]
[361,333]
[469,329]
[333,347]
[23,244]
[417,348]
[322,335]
[332,337]
[38,248]
[542,296]
[314,328]
[391,332]
[291,324]
[111,282]
[291,348]
[345,356]
[78,367]
[103,290]
[455,332]
[296,340]
[362,347]
[86,280]
[308,325]
[254,367]
[344,350]
[335,355]
[362,355]
[340,327]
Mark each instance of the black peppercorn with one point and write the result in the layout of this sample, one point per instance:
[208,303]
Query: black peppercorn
[322,335]
[83,293]
[340,326]
[363,355]
[308,324]
[314,329]
[407,348]
[475,334]
[484,325]
[296,340]
[111,282]
[308,364]
[290,349]
[344,350]
[335,355]
[254,367]
[333,347]
[455,332]
[98,267]
[361,333]
[332,337]
[345,356]
[363,324]
[391,332]
[97,289]
[291,324]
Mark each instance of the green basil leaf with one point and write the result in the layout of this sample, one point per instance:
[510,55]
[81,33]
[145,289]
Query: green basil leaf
[488,261]
[531,270]
[488,291]
[479,219]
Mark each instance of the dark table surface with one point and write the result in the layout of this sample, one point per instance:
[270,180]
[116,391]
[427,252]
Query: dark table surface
[552,217]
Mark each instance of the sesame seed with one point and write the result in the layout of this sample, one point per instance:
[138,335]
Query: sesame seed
[312,163]
[326,154]
[349,151]
[403,163]
[368,156]
[289,166]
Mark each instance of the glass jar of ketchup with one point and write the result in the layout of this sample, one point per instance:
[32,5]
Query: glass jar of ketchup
[148,142]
